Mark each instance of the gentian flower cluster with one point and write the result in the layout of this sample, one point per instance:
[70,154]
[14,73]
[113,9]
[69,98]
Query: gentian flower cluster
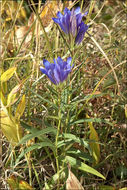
[58,71]
[71,23]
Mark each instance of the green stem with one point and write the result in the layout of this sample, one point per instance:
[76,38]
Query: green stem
[57,135]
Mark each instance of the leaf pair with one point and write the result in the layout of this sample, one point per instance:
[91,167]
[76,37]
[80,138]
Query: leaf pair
[10,124]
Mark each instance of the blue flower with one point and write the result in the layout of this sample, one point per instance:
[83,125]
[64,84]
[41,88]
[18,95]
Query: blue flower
[58,71]
[71,23]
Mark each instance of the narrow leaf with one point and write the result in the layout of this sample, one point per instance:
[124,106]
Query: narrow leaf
[95,120]
[33,147]
[95,147]
[107,187]
[37,134]
[76,139]
[81,166]
[80,154]
[8,74]
[20,108]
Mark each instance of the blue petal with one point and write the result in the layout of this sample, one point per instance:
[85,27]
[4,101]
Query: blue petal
[46,64]
[52,66]
[60,62]
[59,15]
[64,65]
[66,11]
[67,23]
[54,61]
[65,74]
[62,24]
[79,19]
[51,76]
[83,28]
[43,71]
[56,20]
[77,10]
[73,22]
[69,59]
[57,73]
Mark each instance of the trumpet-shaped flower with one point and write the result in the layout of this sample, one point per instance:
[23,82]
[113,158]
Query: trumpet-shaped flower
[58,71]
[71,23]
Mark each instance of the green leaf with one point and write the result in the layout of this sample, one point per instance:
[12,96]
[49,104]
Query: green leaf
[34,130]
[33,147]
[28,127]
[37,134]
[94,120]
[80,154]
[63,143]
[8,74]
[106,187]
[75,139]
[81,166]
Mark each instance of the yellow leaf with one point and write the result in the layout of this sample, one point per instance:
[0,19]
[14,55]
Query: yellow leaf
[124,188]
[23,12]
[3,100]
[8,74]
[12,95]
[72,182]
[95,147]
[4,87]
[20,108]
[11,99]
[10,128]
[24,185]
[13,183]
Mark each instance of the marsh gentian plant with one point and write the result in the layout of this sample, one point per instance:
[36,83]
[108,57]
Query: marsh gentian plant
[71,23]
[58,71]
